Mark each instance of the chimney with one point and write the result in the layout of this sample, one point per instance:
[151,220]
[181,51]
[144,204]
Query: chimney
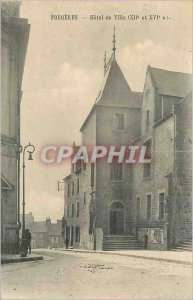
[48,221]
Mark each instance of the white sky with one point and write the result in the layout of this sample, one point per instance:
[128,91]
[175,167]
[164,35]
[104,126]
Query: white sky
[64,69]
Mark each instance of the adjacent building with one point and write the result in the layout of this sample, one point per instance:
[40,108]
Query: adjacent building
[46,234]
[14,41]
[161,196]
[133,206]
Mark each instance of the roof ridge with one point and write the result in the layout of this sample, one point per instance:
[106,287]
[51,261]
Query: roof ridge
[169,70]
[171,83]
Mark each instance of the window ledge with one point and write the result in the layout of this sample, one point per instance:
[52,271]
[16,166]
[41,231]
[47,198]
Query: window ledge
[117,181]
[119,130]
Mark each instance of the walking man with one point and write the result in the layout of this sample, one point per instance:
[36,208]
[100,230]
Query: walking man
[28,240]
[66,242]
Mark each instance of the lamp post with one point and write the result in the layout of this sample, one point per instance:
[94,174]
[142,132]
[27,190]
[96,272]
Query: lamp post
[30,149]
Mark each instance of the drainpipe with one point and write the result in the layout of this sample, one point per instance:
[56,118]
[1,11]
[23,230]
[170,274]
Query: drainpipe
[175,175]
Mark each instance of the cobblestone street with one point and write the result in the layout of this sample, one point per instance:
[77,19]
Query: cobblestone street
[74,275]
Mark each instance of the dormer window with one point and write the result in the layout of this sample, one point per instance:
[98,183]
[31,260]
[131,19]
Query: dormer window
[119,121]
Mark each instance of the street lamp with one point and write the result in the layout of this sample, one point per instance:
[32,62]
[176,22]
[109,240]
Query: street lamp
[30,149]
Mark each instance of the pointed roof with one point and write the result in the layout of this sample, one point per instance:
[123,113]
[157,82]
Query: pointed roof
[171,83]
[115,90]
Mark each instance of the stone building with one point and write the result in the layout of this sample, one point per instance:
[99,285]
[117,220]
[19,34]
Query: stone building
[161,203]
[46,234]
[14,41]
[130,206]
[29,218]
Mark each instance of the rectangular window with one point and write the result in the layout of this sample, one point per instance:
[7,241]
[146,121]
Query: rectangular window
[68,232]
[72,236]
[77,234]
[54,239]
[147,119]
[78,185]
[91,223]
[148,207]
[147,171]
[68,190]
[147,167]
[161,206]
[119,121]
[72,215]
[77,209]
[73,188]
[84,197]
[92,176]
[138,210]
[68,211]
[116,172]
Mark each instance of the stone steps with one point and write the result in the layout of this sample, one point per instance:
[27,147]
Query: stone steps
[120,242]
[184,246]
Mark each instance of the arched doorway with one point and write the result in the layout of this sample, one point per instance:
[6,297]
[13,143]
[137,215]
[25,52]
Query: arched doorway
[116,218]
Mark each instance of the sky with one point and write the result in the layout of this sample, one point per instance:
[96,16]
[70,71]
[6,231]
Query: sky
[64,70]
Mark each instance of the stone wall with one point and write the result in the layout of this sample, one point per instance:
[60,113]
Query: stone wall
[184,169]
[162,163]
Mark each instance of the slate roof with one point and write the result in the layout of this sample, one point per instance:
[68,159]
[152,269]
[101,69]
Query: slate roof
[55,229]
[67,177]
[41,227]
[171,83]
[115,91]
[187,98]
[38,227]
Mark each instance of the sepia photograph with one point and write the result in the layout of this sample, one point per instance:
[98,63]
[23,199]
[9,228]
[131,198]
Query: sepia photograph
[96,149]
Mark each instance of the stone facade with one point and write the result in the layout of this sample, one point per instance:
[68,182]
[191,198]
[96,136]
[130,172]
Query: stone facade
[184,168]
[46,234]
[159,212]
[14,40]
[151,202]
[97,191]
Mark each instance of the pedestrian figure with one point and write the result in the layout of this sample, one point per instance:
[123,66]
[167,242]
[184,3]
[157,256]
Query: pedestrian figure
[28,240]
[66,242]
[145,241]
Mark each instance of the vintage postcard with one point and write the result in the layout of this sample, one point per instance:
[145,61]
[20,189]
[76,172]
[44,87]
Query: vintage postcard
[96,149]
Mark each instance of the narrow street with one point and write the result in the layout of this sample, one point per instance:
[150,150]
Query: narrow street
[95,276]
